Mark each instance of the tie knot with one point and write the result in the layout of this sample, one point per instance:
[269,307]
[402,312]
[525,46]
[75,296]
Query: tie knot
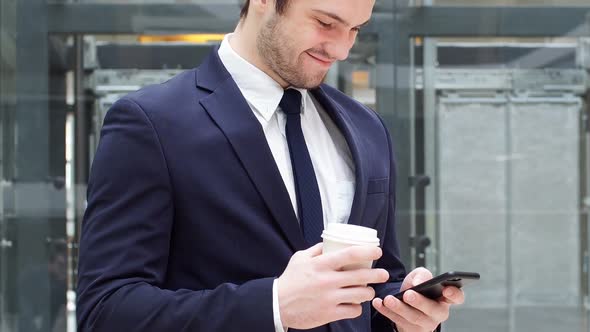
[291,101]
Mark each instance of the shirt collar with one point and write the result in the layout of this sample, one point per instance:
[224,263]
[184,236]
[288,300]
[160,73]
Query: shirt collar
[259,89]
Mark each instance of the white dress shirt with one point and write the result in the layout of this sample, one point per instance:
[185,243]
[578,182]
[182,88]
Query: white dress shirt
[330,155]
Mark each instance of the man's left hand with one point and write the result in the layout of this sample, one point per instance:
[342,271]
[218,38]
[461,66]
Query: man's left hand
[418,313]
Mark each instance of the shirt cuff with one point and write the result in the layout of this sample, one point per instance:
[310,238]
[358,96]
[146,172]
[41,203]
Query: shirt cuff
[276,309]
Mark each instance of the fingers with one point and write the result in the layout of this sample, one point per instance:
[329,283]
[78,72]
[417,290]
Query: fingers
[347,311]
[360,277]
[453,295]
[404,315]
[394,317]
[351,255]
[355,295]
[438,311]
[418,310]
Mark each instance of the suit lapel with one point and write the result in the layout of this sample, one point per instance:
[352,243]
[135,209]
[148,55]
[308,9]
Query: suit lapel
[353,138]
[232,114]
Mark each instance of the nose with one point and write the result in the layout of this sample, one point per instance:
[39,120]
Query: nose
[339,48]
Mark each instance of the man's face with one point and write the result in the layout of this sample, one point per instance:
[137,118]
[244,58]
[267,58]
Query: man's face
[301,44]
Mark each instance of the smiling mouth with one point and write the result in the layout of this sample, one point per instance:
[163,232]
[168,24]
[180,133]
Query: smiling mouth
[323,62]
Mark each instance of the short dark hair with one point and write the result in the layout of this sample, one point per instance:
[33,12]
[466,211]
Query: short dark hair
[281,5]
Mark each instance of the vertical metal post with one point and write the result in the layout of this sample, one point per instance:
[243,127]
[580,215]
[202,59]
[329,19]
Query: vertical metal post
[80,169]
[81,157]
[585,213]
[36,210]
[393,103]
[387,107]
[509,259]
[431,159]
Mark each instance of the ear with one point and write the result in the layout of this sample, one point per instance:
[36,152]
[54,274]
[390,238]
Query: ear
[261,6]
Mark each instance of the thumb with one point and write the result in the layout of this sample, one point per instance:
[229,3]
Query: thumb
[421,276]
[416,277]
[314,251]
[417,281]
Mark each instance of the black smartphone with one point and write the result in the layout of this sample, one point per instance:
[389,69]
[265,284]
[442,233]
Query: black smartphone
[433,288]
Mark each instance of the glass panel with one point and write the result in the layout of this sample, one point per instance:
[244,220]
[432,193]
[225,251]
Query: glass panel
[503,138]
[33,244]
[119,64]
[7,82]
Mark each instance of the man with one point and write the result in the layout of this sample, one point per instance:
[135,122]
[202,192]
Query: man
[209,192]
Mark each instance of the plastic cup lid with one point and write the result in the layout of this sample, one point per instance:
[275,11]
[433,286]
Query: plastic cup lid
[350,234]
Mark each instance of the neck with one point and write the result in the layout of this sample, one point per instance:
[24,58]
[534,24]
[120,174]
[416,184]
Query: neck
[243,42]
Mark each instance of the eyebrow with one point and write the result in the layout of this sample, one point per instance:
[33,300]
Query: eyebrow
[338,18]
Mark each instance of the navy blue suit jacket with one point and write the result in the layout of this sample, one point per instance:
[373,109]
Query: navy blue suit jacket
[188,220]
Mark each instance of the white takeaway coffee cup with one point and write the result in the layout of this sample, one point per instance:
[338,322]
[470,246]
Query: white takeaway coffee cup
[339,236]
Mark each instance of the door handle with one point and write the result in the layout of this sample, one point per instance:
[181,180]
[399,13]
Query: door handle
[4,243]
[419,181]
[421,242]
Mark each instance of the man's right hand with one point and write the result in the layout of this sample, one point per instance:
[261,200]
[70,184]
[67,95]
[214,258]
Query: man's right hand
[313,290]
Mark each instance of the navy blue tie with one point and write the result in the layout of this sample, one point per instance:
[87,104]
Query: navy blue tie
[309,202]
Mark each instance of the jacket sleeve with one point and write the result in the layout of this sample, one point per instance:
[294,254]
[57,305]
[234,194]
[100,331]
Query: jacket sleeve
[391,258]
[125,240]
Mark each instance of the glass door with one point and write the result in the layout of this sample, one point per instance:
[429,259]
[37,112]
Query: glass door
[501,123]
[7,86]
